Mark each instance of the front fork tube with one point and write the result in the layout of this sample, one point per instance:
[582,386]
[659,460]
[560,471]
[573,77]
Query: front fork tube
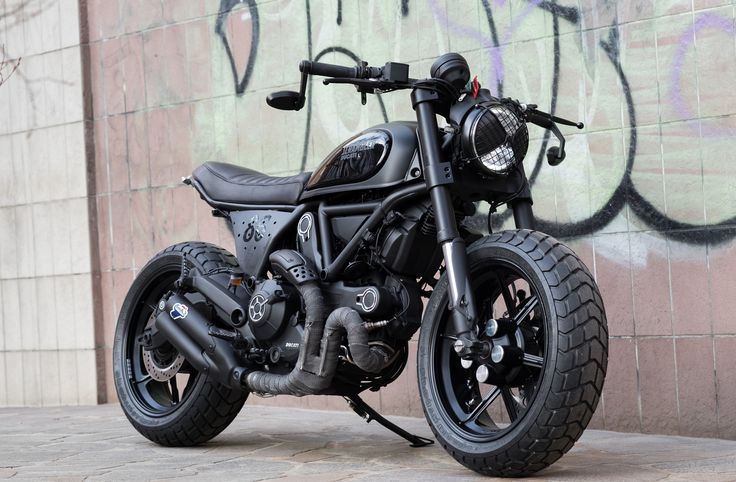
[438,176]
[462,303]
[523,214]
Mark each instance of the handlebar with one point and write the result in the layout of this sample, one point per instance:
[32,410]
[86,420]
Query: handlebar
[395,76]
[366,79]
[339,71]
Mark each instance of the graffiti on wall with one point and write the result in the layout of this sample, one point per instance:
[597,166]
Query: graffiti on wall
[227,7]
[493,43]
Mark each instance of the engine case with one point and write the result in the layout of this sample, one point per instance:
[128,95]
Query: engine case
[270,309]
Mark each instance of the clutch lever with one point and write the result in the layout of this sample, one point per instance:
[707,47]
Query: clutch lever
[369,85]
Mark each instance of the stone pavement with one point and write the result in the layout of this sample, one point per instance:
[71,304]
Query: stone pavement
[267,443]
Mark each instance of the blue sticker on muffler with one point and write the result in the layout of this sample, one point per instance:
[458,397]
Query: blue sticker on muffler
[179,311]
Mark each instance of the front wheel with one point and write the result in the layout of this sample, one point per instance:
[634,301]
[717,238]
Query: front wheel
[518,408]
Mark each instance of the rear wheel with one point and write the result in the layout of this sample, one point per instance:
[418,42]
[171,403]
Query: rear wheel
[165,399]
[520,407]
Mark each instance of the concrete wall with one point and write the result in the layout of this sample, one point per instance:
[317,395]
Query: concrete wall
[647,195]
[47,343]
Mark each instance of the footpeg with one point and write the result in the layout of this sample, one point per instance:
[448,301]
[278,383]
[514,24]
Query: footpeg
[369,414]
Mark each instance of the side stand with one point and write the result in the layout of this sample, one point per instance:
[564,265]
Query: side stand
[369,414]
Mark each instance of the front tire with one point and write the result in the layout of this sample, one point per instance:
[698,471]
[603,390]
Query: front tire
[194,409]
[528,413]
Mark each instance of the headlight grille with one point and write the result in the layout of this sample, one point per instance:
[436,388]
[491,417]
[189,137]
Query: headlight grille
[498,138]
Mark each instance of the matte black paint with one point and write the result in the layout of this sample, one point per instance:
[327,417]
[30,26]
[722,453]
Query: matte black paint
[256,233]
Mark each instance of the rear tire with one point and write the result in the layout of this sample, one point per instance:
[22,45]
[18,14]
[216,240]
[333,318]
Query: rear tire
[204,408]
[549,419]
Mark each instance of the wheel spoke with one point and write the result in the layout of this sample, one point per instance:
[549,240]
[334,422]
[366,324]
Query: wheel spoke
[145,379]
[507,298]
[533,361]
[464,391]
[483,405]
[527,308]
[512,407]
[174,390]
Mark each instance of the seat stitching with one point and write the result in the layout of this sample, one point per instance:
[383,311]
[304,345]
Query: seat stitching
[296,181]
[215,173]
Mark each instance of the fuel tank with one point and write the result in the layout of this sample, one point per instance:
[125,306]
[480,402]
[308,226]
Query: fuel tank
[381,156]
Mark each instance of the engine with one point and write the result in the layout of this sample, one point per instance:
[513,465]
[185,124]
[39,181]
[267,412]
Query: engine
[390,307]
[380,285]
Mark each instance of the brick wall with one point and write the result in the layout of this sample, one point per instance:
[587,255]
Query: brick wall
[646,196]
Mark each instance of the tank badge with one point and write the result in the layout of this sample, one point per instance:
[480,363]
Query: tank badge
[304,228]
[179,311]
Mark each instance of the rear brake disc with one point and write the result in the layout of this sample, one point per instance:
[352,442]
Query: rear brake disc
[159,370]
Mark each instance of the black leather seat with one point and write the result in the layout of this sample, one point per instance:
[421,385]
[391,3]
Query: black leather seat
[228,184]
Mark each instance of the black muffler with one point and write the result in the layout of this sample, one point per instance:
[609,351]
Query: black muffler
[185,327]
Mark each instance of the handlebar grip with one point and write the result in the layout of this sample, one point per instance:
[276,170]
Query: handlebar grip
[541,120]
[327,70]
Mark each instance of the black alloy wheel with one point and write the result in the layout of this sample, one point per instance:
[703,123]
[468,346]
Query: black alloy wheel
[154,397]
[485,397]
[522,403]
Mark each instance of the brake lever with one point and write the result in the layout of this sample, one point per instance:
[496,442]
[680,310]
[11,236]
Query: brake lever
[531,110]
[555,155]
[560,120]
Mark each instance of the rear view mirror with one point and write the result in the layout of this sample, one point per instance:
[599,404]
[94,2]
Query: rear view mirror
[285,100]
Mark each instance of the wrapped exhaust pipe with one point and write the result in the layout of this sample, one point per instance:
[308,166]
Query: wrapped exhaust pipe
[319,352]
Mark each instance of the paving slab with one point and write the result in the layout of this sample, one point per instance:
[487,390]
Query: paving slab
[269,443]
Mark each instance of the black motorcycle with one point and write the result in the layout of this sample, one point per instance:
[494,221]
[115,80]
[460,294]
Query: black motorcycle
[327,284]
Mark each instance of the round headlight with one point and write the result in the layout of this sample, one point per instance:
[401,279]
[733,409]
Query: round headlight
[495,137]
